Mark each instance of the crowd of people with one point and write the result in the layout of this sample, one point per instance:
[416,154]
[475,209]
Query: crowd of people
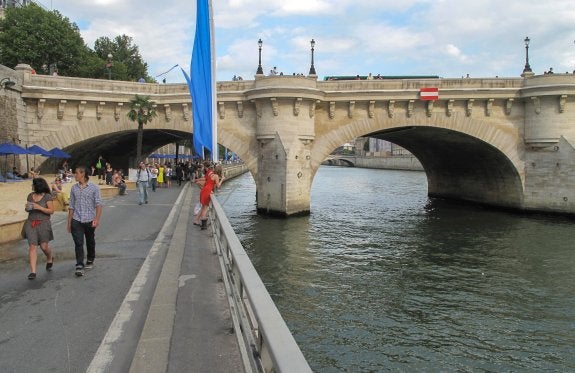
[84,204]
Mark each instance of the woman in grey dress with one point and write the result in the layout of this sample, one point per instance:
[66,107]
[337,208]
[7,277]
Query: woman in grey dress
[37,227]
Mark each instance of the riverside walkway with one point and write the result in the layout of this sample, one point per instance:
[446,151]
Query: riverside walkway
[159,299]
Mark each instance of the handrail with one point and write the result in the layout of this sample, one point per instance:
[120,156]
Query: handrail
[265,335]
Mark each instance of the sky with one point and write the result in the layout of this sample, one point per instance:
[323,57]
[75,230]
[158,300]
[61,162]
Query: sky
[448,38]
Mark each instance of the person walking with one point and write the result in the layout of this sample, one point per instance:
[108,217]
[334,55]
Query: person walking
[84,215]
[143,178]
[161,175]
[37,228]
[154,176]
[211,179]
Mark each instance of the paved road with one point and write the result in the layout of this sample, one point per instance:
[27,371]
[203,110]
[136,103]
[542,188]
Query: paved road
[61,323]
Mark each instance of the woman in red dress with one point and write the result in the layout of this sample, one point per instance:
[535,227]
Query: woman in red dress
[211,179]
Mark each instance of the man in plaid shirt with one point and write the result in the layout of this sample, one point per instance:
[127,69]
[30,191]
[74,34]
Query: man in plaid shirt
[83,218]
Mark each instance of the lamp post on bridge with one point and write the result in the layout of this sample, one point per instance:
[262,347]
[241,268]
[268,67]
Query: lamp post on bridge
[260,70]
[109,66]
[312,68]
[527,70]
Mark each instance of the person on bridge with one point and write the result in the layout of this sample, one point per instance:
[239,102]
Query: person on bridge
[212,178]
[37,228]
[83,218]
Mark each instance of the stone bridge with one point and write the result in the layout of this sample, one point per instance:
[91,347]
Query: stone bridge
[505,142]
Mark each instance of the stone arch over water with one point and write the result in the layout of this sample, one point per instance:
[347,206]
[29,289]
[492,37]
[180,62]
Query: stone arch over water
[463,158]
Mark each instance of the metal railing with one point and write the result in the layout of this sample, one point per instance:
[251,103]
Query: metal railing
[266,343]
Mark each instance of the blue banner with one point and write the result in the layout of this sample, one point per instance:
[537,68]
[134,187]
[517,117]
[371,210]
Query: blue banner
[200,81]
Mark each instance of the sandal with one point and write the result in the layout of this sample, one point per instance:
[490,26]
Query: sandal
[49,265]
[31,276]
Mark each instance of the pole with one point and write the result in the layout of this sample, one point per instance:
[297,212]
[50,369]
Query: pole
[215,157]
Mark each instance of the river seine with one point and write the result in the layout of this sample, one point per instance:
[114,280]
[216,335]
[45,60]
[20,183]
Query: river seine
[381,278]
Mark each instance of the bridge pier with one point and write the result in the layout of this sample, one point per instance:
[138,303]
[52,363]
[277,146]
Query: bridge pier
[285,130]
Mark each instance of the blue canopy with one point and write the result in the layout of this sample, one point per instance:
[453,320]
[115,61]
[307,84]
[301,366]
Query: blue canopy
[37,150]
[59,153]
[8,148]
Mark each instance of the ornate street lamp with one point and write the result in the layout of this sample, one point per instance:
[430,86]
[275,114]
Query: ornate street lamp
[312,68]
[109,66]
[260,69]
[527,70]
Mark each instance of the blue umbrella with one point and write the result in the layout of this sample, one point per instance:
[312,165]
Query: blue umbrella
[59,153]
[37,150]
[8,148]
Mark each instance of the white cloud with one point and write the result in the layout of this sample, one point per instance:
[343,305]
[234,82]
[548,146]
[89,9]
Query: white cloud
[444,37]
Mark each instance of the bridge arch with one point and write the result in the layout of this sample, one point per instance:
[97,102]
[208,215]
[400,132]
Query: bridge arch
[465,159]
[118,147]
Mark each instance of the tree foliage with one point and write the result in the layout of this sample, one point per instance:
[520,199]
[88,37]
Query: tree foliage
[127,63]
[46,41]
[142,110]
[40,38]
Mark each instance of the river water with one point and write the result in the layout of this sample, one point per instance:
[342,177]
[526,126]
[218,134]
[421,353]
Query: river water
[381,278]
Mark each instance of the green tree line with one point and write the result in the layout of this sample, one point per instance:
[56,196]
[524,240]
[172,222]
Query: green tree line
[49,42]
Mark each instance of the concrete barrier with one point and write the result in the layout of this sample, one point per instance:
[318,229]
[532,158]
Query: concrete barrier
[11,231]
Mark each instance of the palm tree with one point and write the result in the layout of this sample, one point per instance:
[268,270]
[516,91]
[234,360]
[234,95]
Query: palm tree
[142,110]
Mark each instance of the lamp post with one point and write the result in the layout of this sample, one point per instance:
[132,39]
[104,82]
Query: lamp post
[109,66]
[260,69]
[312,68]
[527,70]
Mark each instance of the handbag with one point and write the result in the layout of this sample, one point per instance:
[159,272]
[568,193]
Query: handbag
[23,231]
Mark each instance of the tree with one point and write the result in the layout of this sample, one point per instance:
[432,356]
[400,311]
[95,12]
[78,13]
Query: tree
[142,110]
[43,39]
[127,61]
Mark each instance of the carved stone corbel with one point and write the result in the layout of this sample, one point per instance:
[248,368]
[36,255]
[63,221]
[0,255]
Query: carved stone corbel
[449,110]
[391,108]
[118,111]
[275,106]
[562,101]
[41,103]
[508,106]
[100,110]
[488,106]
[61,109]
[258,108]
[81,108]
[222,109]
[429,110]
[351,109]
[469,109]
[185,111]
[240,108]
[536,104]
[296,106]
[410,107]
[168,111]
[371,109]
[331,109]
[312,108]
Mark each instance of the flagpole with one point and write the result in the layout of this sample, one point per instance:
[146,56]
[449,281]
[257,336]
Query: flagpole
[215,156]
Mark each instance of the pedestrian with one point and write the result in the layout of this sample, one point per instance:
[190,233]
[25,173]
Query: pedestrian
[179,173]
[83,218]
[100,168]
[154,176]
[211,179]
[161,175]
[37,228]
[143,178]
[109,173]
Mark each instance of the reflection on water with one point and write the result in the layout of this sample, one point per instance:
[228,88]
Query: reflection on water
[379,278]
